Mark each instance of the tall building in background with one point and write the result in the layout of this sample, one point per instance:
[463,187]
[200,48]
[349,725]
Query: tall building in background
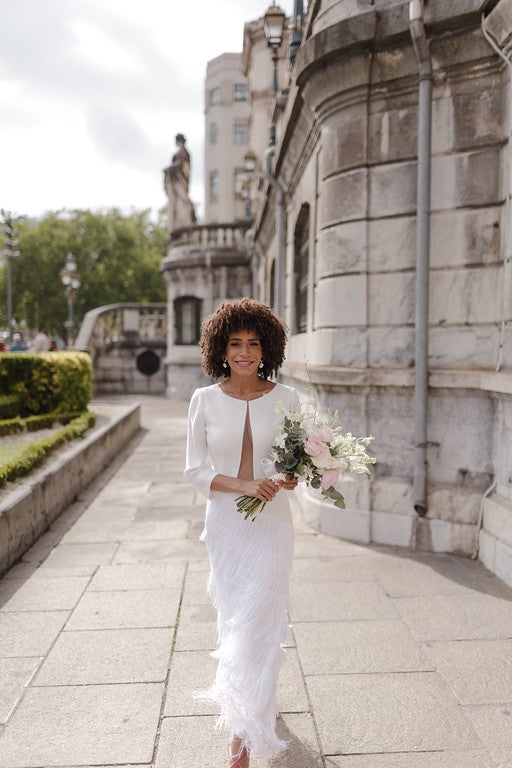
[238,99]
[226,138]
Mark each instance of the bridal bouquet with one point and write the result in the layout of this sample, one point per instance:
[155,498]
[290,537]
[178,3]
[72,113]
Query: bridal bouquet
[316,451]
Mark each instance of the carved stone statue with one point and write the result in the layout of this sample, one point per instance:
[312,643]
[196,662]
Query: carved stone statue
[181,211]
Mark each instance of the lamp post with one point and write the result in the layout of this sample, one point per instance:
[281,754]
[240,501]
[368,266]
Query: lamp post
[273,24]
[71,282]
[10,253]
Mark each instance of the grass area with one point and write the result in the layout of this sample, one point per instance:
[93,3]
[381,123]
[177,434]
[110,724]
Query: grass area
[10,452]
[19,458]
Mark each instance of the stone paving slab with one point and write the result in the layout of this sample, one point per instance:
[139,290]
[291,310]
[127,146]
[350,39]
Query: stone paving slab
[197,630]
[320,569]
[194,592]
[493,723]
[81,554]
[142,551]
[124,609]
[74,725]
[449,617]
[479,672]
[152,575]
[323,601]
[128,530]
[15,675]
[317,545]
[350,647]
[394,658]
[30,634]
[57,594]
[388,713]
[107,656]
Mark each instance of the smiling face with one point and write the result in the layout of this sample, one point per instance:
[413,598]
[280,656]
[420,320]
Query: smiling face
[243,353]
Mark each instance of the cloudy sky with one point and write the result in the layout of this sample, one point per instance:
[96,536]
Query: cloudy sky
[92,93]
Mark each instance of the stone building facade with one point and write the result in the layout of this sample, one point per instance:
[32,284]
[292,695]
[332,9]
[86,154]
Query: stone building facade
[346,160]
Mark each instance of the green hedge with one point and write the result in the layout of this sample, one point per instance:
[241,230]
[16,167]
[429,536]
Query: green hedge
[35,452]
[47,382]
[9,406]
[33,423]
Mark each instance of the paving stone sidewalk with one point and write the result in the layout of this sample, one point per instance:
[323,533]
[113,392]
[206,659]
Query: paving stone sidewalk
[394,659]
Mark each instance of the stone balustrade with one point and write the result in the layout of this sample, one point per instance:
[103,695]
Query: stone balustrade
[230,235]
[126,343]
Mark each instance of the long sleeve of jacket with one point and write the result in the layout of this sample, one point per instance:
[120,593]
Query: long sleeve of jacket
[198,468]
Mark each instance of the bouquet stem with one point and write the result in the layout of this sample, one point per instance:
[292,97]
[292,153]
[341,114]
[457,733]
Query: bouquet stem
[249,506]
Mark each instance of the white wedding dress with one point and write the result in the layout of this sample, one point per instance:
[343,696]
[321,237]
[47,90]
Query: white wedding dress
[250,562]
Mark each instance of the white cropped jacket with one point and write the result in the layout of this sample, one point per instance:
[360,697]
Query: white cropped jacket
[215,432]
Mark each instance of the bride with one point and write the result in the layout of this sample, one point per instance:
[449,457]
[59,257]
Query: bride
[231,426]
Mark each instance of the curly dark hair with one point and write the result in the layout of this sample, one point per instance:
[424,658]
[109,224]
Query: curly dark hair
[242,315]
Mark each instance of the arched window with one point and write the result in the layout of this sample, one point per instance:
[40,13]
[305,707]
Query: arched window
[272,285]
[301,269]
[187,320]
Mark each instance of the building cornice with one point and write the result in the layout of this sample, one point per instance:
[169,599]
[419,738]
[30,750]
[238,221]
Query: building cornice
[339,377]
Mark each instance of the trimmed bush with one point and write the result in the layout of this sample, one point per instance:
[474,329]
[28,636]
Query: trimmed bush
[35,452]
[47,382]
[33,423]
[9,406]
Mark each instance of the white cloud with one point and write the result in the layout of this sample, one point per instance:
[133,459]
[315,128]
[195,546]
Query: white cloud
[92,93]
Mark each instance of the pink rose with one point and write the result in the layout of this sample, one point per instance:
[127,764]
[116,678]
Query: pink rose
[326,434]
[329,478]
[323,460]
[314,446]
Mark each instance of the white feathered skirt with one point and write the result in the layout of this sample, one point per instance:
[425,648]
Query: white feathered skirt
[248,585]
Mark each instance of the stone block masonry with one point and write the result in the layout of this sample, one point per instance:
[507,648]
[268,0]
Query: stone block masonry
[348,149]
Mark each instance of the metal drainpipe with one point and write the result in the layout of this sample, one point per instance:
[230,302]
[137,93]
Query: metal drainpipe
[280,267]
[420,42]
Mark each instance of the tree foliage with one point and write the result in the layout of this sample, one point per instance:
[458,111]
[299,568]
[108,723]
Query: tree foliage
[117,258]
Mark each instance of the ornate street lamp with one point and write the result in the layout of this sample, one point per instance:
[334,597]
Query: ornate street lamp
[10,252]
[250,160]
[273,24]
[71,282]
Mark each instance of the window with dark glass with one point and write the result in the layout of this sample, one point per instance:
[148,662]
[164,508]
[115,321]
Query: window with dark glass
[240,92]
[301,269]
[214,186]
[187,320]
[214,97]
[240,136]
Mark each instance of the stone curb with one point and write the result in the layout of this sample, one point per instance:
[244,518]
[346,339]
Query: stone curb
[26,514]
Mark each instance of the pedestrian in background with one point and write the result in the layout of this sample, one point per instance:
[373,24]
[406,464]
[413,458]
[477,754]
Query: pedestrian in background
[41,341]
[18,343]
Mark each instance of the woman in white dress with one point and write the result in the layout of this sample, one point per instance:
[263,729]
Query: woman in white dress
[232,425]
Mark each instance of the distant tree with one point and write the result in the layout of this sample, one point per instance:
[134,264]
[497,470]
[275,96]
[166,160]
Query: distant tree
[117,258]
